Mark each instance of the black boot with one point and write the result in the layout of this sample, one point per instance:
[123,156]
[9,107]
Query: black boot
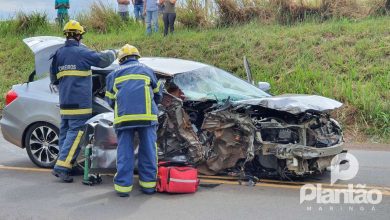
[148,191]
[120,194]
[62,175]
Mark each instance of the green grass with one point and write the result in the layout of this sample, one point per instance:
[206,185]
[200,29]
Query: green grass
[341,59]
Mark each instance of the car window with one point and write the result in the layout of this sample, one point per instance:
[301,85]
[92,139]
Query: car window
[212,83]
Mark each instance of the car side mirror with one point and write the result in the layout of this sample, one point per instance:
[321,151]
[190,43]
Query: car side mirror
[265,86]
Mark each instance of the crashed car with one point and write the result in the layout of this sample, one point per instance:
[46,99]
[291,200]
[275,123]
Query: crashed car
[208,117]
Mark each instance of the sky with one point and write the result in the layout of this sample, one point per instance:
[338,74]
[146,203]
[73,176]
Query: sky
[9,8]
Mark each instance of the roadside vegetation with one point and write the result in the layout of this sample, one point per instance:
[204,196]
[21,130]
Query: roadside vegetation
[343,53]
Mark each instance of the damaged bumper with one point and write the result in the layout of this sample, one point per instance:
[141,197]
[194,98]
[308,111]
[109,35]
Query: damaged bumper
[300,160]
[290,151]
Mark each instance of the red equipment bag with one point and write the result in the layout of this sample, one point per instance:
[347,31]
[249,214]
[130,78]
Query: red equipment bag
[177,179]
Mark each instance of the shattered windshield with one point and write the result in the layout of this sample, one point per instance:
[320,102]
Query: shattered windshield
[213,83]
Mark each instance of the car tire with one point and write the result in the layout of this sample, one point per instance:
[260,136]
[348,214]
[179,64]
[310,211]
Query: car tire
[42,144]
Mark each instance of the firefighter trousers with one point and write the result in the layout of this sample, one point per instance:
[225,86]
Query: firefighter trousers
[71,132]
[147,159]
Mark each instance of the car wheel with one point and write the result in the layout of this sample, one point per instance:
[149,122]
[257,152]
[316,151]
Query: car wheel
[41,143]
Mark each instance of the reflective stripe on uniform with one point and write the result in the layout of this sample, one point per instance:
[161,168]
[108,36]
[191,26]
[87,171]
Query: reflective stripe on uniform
[73,73]
[63,164]
[148,116]
[115,111]
[68,160]
[148,101]
[110,95]
[74,146]
[76,111]
[157,89]
[130,77]
[123,189]
[135,117]
[147,184]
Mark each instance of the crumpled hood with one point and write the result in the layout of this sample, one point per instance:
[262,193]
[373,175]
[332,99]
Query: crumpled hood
[295,104]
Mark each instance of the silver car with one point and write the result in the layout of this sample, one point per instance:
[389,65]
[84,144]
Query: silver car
[223,120]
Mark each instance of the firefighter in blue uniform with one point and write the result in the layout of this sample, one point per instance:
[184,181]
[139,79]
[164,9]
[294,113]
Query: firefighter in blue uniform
[134,91]
[71,70]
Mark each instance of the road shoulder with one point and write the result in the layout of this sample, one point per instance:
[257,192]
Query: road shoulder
[367,146]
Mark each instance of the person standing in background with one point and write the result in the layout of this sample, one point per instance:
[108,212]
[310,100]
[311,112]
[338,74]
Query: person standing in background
[123,9]
[138,10]
[169,15]
[62,7]
[151,13]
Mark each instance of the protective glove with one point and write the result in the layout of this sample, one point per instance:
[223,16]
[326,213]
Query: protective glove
[116,52]
[53,88]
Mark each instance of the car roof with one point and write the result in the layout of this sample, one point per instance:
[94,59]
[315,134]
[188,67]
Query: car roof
[162,65]
[171,66]
[44,46]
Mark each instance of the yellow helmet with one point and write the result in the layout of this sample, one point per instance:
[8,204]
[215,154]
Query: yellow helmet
[73,27]
[128,50]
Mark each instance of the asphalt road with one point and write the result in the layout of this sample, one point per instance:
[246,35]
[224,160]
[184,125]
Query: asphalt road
[32,194]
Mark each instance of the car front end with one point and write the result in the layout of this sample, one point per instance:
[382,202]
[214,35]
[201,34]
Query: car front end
[239,126]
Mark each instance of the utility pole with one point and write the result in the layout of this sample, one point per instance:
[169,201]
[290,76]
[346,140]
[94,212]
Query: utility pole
[207,6]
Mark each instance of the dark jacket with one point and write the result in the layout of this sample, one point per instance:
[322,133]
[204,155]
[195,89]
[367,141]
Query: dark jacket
[71,69]
[135,91]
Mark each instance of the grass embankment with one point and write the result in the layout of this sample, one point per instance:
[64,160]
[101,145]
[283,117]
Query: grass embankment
[345,60]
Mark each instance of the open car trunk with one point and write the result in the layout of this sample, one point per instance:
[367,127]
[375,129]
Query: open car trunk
[44,48]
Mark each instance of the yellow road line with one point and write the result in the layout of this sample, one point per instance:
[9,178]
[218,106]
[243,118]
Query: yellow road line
[323,184]
[384,192]
[2,167]
[292,183]
[237,183]
[218,177]
[233,181]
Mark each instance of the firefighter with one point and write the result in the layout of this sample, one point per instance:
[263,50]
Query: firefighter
[71,71]
[134,91]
